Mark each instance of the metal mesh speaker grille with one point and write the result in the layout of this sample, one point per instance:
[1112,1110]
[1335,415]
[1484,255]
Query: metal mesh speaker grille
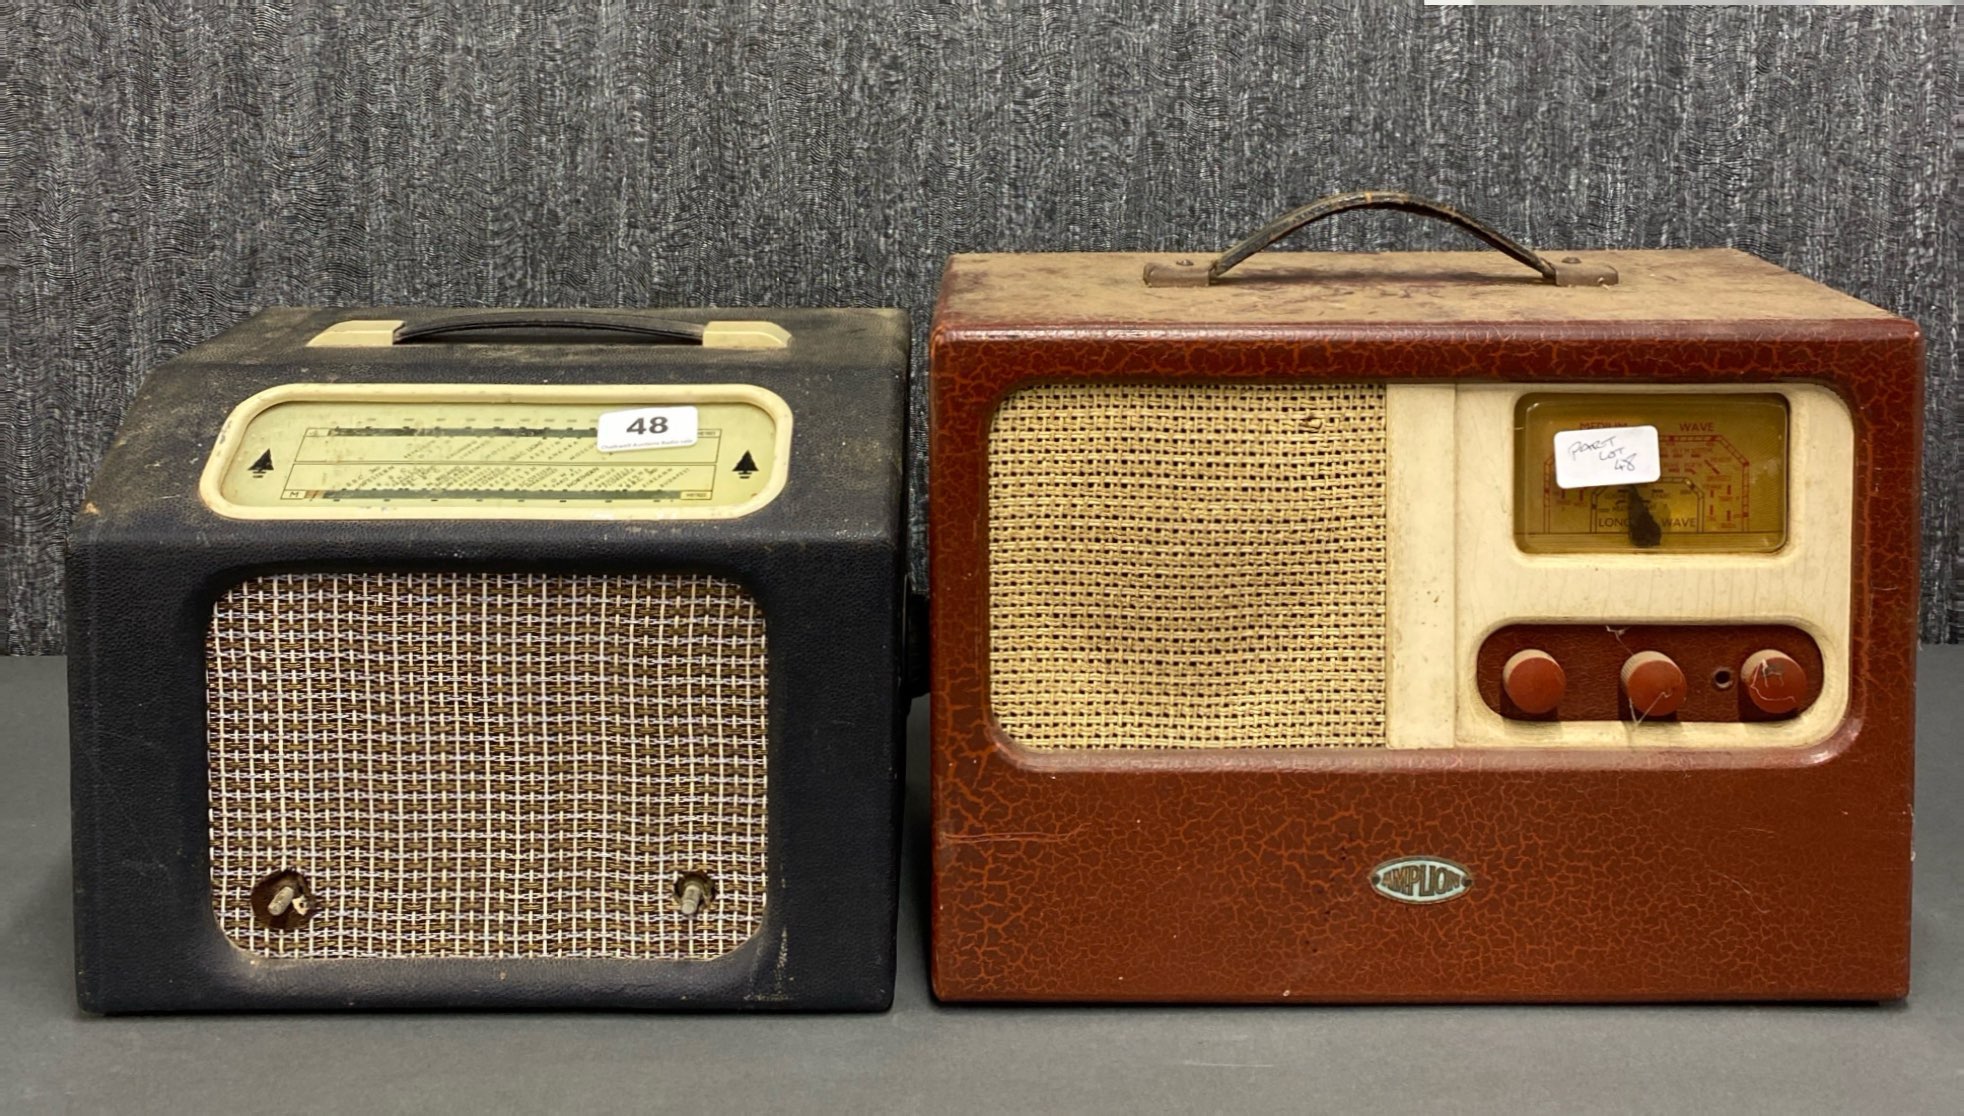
[489,765]
[1188,565]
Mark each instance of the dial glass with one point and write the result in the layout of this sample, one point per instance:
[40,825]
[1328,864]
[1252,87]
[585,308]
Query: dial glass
[363,451]
[1631,472]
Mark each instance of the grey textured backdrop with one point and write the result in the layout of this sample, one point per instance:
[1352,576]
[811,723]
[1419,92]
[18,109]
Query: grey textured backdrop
[171,166]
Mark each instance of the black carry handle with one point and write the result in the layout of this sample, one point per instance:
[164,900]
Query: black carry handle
[1568,272]
[661,329]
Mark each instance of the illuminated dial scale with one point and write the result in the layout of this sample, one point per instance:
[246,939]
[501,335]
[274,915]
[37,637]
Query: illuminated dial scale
[1721,485]
[346,451]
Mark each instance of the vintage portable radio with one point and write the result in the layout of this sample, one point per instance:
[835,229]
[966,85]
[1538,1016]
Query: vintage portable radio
[1420,626]
[514,658]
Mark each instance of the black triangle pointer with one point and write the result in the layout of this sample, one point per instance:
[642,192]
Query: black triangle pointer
[264,465]
[745,466]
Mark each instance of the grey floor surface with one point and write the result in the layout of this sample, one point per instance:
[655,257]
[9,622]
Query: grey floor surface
[923,1057]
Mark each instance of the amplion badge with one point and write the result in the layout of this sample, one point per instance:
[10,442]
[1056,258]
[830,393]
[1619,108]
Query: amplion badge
[1420,879]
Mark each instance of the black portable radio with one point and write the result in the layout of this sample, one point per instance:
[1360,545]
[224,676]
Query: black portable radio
[496,658]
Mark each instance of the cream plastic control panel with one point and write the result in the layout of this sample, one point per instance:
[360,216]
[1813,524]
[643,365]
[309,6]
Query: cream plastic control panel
[1459,569]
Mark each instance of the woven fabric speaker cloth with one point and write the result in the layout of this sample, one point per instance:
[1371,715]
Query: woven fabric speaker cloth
[1188,566]
[489,765]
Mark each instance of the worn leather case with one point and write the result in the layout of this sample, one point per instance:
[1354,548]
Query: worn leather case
[1644,870]
[824,560]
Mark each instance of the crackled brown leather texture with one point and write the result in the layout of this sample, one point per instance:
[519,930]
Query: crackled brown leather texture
[1597,874]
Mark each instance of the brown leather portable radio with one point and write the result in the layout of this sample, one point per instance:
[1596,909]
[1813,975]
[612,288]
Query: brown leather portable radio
[1420,626]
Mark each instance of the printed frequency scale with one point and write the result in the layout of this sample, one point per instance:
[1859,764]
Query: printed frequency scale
[320,451]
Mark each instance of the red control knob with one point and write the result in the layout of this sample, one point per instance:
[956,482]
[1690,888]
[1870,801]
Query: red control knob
[1653,684]
[1534,681]
[1774,682]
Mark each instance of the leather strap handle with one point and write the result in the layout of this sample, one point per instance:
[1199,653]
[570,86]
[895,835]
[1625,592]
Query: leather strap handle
[1568,272]
[660,329]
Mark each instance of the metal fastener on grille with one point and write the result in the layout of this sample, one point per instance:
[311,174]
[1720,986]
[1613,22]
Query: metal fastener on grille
[693,891]
[287,897]
[282,901]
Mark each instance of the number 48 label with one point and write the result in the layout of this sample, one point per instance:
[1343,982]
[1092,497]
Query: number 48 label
[646,428]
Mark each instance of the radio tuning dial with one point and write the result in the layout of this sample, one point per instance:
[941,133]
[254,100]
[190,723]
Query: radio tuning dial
[1712,475]
[1534,681]
[1653,685]
[1774,682]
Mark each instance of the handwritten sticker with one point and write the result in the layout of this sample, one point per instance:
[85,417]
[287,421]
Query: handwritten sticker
[646,428]
[1606,455]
